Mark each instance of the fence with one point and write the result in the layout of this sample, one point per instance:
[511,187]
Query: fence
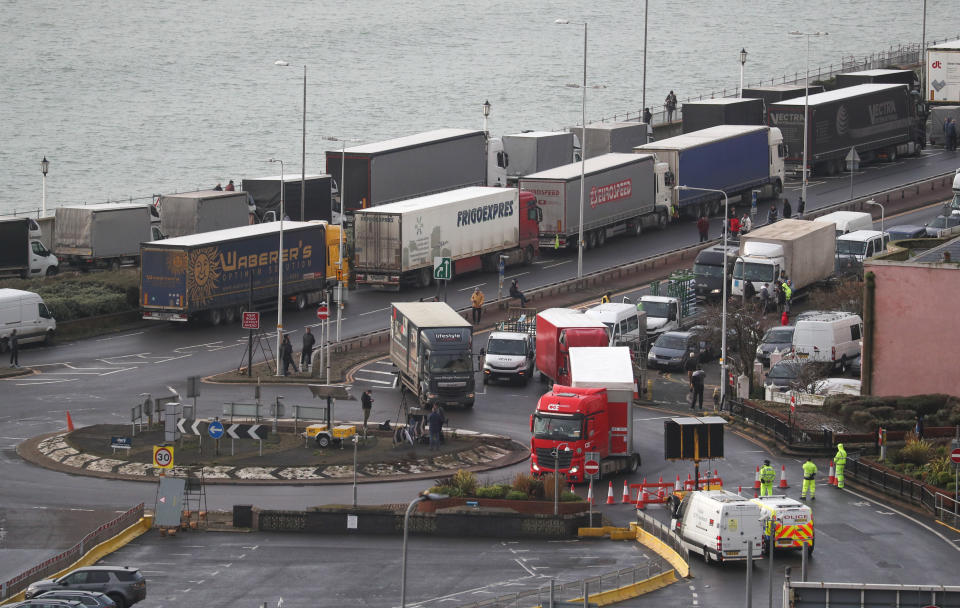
[63,559]
[909,490]
[663,533]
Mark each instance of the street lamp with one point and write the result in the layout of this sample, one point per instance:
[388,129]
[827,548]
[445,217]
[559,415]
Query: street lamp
[425,495]
[486,113]
[643,98]
[806,108]
[583,142]
[44,167]
[723,314]
[303,149]
[556,476]
[873,202]
[356,440]
[743,60]
[280,268]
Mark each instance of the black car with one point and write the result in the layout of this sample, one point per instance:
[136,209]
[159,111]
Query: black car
[906,231]
[673,349]
[91,599]
[123,584]
[777,338]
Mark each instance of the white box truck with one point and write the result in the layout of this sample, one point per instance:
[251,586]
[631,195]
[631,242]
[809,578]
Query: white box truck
[204,211]
[102,236]
[801,249]
[942,75]
[535,151]
[22,253]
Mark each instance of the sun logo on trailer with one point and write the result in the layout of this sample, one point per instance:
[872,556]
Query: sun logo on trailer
[205,271]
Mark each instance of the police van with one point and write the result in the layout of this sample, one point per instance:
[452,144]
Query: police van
[788,522]
[719,525]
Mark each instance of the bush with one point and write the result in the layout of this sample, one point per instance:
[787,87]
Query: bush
[523,482]
[73,296]
[568,496]
[862,419]
[452,491]
[495,491]
[916,451]
[465,481]
[549,481]
[882,412]
[516,495]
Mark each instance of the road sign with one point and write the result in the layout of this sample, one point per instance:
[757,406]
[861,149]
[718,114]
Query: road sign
[189,426]
[247,431]
[215,429]
[251,320]
[591,467]
[163,456]
[955,456]
[442,268]
[322,311]
[121,443]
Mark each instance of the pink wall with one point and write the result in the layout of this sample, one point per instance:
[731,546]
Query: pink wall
[917,329]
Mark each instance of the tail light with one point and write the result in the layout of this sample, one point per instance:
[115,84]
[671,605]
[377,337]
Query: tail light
[833,353]
[719,545]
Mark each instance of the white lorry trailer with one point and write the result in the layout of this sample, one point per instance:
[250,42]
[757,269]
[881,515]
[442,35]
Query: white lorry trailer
[536,151]
[203,211]
[801,249]
[106,235]
[942,75]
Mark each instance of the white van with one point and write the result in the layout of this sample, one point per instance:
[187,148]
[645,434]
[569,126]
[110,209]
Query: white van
[719,525]
[627,324]
[25,312]
[828,337]
[848,221]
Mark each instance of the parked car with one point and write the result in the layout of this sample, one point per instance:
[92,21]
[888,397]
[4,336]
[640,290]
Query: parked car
[855,367]
[944,226]
[906,231]
[47,603]
[779,338]
[673,348]
[123,584]
[94,599]
[796,374]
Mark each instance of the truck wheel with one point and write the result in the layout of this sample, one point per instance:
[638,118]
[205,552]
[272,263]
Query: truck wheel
[468,404]
[634,463]
[661,219]
[301,301]
[543,377]
[323,441]
[591,239]
[892,154]
[843,364]
[777,187]
[51,271]
[706,556]
[48,338]
[114,265]
[229,315]
[528,255]
[214,316]
[636,229]
[601,237]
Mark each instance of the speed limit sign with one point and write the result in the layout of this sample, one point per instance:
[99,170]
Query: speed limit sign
[163,456]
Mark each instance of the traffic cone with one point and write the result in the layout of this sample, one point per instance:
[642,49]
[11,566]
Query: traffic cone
[590,494]
[69,421]
[610,500]
[688,484]
[643,497]
[756,482]
[783,478]
[756,493]
[833,474]
[739,490]
[676,485]
[572,491]
[626,493]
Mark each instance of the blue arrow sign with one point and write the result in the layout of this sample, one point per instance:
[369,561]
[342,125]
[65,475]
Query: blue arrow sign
[215,429]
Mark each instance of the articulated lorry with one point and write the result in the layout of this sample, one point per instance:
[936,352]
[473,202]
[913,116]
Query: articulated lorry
[431,346]
[395,244]
[265,192]
[535,151]
[733,158]
[594,413]
[882,121]
[559,330]
[942,74]
[214,276]
[612,137]
[21,252]
[102,236]
[801,249]
[624,194]
[203,211]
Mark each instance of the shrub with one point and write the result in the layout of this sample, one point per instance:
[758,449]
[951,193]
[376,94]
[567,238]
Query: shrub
[862,419]
[882,412]
[495,491]
[568,496]
[536,489]
[916,451]
[523,482]
[465,481]
[452,491]
[516,495]
[549,481]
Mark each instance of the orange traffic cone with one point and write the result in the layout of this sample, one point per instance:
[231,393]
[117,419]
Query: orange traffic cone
[756,482]
[590,493]
[688,484]
[756,493]
[739,490]
[610,500]
[833,474]
[643,498]
[676,485]
[69,421]
[783,478]
[626,493]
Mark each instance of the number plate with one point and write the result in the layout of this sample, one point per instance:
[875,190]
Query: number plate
[733,553]
[802,355]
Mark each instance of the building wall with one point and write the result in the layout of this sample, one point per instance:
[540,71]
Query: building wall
[917,333]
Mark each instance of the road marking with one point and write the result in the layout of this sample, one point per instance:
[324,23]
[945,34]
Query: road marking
[78,509]
[904,515]
[384,382]
[471,287]
[370,312]
[378,362]
[513,276]
[525,568]
[373,371]
[557,264]
[45,382]
[136,333]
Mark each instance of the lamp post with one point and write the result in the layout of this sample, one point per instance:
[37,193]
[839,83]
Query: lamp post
[356,440]
[44,167]
[723,314]
[583,143]
[303,148]
[556,476]
[806,109]
[406,521]
[873,202]
[280,268]
[743,60]
[486,113]
[643,99]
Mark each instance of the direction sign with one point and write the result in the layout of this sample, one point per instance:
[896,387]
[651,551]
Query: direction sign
[163,456]
[251,320]
[215,429]
[121,443]
[955,456]
[442,268]
[852,157]
[247,431]
[322,311]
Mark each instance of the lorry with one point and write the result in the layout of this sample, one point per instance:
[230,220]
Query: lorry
[778,92]
[706,113]
[477,227]
[25,312]
[665,313]
[787,522]
[708,271]
[21,252]
[559,330]
[942,73]
[416,165]
[535,151]
[800,250]
[214,276]
[203,211]
[936,119]
[624,194]
[317,201]
[881,121]
[431,346]
[882,76]
[102,236]
[511,349]
[733,158]
[611,137]
[592,414]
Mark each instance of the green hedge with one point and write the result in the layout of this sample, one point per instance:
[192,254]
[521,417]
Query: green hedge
[895,413]
[72,296]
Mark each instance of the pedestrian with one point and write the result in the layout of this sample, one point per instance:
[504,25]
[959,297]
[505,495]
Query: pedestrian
[749,292]
[690,365]
[516,293]
[767,475]
[670,105]
[230,187]
[476,304]
[286,355]
[772,214]
[306,350]
[781,298]
[605,299]
[746,224]
[647,116]
[14,349]
[840,461]
[716,399]
[787,295]
[918,429]
[801,206]
[674,213]
[218,187]
[809,480]
[435,422]
[703,227]
[950,131]
[696,385]
[734,227]
[765,299]
[787,209]
[366,404]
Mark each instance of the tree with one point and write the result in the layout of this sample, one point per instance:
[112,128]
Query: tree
[845,295]
[744,334]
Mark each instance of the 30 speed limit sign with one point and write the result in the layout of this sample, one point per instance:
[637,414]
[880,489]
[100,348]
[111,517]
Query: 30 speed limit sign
[163,456]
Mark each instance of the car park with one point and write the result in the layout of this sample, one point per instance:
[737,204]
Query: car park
[778,338]
[91,599]
[123,584]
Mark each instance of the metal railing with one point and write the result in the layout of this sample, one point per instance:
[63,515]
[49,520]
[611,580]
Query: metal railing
[893,484]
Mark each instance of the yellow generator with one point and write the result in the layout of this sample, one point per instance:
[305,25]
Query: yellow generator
[324,437]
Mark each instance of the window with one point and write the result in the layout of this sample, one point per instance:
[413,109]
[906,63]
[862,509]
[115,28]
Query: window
[77,578]
[98,576]
[855,332]
[39,249]
[668,179]
[43,311]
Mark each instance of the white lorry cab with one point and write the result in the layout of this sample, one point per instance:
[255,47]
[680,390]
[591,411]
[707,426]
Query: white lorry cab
[847,221]
[25,312]
[788,522]
[828,337]
[509,355]
[719,525]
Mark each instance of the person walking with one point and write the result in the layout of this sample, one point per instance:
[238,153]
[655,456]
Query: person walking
[809,479]
[230,187]
[366,404]
[605,298]
[647,116]
[670,105]
[703,227]
[950,131]
[306,349]
[690,365]
[772,214]
[696,385]
[746,224]
[918,429]
[286,355]
[516,293]
[787,295]
[787,209]
[476,303]
[734,227]
[801,206]
[767,475]
[435,422]
[840,461]
[765,299]
[14,349]
[781,298]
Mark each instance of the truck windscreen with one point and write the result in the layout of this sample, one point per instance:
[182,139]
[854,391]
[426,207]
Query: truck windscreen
[656,309]
[506,347]
[707,270]
[547,427]
[752,271]
[455,362]
[851,247]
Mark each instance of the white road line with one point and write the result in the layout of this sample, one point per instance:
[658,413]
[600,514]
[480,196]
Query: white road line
[470,288]
[383,362]
[373,371]
[46,382]
[136,333]
[904,515]
[370,312]
[557,264]
[513,276]
[384,382]
[524,566]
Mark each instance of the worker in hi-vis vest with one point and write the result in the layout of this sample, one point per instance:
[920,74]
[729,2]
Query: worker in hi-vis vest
[840,460]
[767,475]
[809,479]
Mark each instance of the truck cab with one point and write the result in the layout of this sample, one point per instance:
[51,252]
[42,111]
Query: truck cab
[708,271]
[509,355]
[663,314]
[760,264]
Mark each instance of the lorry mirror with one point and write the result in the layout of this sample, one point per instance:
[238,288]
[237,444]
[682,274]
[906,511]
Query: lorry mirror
[562,371]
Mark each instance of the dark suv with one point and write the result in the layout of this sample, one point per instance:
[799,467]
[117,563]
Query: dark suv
[124,585]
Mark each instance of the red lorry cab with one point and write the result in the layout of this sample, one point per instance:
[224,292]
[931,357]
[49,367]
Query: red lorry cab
[559,330]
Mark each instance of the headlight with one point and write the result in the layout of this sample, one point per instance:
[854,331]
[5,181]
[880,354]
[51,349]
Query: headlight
[573,470]
[535,467]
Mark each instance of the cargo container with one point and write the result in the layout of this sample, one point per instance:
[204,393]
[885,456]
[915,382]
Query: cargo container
[417,165]
[733,158]
[215,275]
[706,113]
[880,120]
[21,252]
[395,244]
[203,211]
[265,192]
[431,346]
[942,74]
[778,92]
[801,249]
[536,151]
[559,330]
[936,119]
[625,193]
[609,137]
[907,77]
[102,236]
